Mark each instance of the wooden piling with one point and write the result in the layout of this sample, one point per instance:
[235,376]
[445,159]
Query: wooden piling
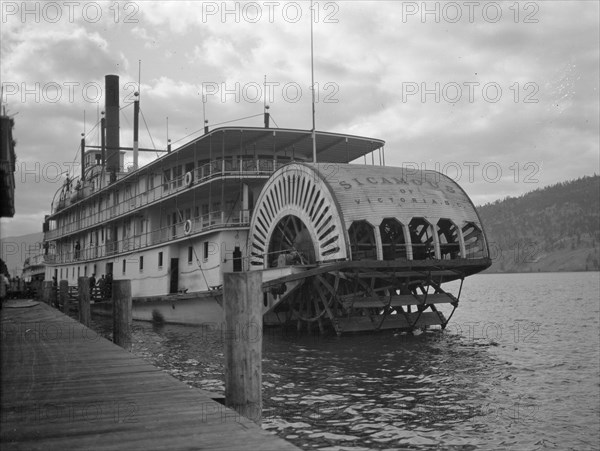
[242,302]
[122,319]
[63,296]
[46,291]
[83,289]
[54,296]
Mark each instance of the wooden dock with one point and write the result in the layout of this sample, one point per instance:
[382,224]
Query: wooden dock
[65,387]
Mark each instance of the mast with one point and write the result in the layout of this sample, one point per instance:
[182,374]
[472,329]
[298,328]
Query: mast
[83,150]
[136,114]
[312,70]
[266,107]
[82,157]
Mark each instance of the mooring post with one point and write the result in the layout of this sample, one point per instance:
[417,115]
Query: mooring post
[63,293]
[242,301]
[121,296]
[54,296]
[46,291]
[83,291]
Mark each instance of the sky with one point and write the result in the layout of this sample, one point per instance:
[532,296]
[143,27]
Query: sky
[500,96]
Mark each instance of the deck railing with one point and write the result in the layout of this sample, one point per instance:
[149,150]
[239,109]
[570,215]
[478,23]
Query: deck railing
[218,168]
[200,224]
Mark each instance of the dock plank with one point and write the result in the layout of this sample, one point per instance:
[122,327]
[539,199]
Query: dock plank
[64,387]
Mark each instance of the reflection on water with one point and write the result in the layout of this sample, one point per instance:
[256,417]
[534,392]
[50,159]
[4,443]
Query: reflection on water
[518,369]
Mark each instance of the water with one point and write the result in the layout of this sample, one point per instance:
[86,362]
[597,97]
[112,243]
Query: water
[517,369]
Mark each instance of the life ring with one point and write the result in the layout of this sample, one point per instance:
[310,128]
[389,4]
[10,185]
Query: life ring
[188,179]
[187,227]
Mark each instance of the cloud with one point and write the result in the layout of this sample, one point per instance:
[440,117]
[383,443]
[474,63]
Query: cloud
[367,55]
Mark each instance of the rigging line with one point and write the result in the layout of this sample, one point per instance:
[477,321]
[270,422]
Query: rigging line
[240,119]
[148,129]
[214,125]
[126,119]
[271,116]
[94,128]
[78,151]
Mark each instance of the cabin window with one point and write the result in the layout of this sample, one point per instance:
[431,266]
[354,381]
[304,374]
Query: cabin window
[205,251]
[474,241]
[166,179]
[177,175]
[141,263]
[392,239]
[94,272]
[196,211]
[188,213]
[85,271]
[124,265]
[421,236]
[448,239]
[61,273]
[73,272]
[160,259]
[362,241]
[78,271]
[150,182]
[190,254]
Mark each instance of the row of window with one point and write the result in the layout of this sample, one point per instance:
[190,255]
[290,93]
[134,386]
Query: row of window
[394,242]
[190,260]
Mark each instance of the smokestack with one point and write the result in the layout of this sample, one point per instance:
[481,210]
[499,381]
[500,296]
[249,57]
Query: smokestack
[82,157]
[136,114]
[103,139]
[112,124]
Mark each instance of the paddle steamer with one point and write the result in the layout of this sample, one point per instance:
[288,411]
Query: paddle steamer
[342,245]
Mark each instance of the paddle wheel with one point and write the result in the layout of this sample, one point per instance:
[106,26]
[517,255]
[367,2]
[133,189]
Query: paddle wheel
[370,246]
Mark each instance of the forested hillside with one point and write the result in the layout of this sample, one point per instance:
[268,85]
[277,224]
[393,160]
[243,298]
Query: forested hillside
[556,228]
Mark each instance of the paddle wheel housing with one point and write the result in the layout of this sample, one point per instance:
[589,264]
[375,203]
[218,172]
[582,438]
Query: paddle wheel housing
[375,245]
